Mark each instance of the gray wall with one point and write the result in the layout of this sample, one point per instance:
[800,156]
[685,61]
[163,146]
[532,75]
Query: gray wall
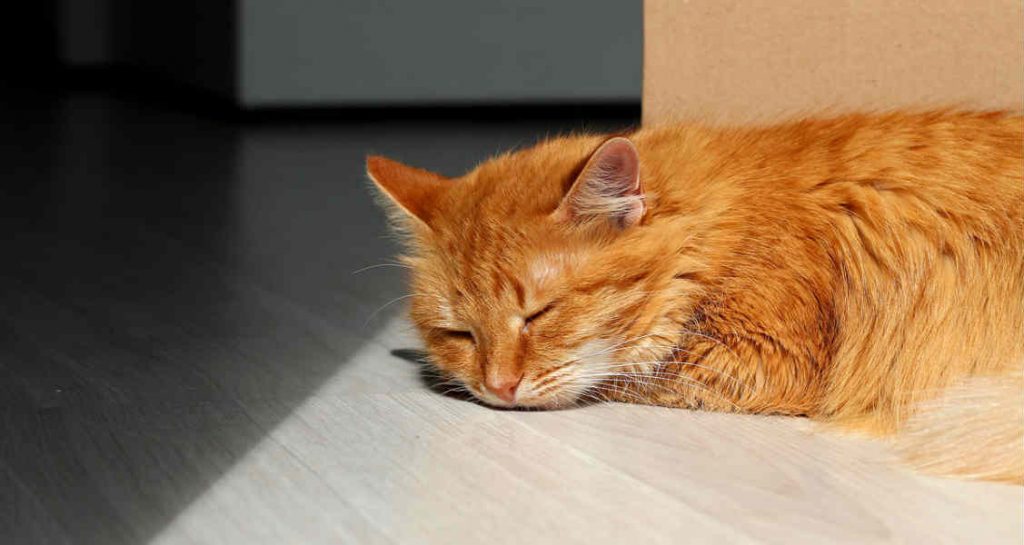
[265,53]
[402,51]
[193,42]
[86,32]
[190,41]
[29,42]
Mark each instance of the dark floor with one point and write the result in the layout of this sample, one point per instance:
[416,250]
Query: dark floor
[163,272]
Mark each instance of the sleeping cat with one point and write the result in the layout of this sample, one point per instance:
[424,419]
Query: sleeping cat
[863,270]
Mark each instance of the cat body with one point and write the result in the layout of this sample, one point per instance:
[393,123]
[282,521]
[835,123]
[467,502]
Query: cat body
[862,270]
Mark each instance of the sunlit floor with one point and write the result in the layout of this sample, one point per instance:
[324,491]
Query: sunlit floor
[188,356]
[373,458]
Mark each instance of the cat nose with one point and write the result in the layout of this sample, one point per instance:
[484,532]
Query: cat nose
[504,386]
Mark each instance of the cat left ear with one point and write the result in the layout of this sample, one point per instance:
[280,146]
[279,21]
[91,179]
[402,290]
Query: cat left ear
[608,187]
[414,191]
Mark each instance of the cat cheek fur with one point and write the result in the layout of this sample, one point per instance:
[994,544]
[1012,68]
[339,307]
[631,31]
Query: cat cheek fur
[565,359]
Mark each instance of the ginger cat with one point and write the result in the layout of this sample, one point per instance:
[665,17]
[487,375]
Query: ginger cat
[863,270]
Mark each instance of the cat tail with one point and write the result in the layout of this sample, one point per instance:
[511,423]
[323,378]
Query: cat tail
[974,430]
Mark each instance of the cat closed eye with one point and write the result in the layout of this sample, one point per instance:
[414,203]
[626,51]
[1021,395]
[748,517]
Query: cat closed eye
[460,334]
[533,316]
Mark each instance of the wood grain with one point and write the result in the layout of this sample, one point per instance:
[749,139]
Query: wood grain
[187,358]
[398,464]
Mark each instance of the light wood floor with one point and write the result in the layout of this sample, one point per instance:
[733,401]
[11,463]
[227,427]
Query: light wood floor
[187,357]
[373,458]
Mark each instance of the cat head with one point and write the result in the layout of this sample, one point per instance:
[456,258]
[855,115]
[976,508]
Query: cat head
[534,276]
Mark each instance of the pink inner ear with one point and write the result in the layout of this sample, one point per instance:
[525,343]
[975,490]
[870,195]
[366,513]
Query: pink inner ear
[609,186]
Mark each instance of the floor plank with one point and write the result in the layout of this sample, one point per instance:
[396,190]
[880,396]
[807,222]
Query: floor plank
[429,469]
[189,355]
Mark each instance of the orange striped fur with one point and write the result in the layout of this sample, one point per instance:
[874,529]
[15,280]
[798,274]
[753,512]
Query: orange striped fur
[851,269]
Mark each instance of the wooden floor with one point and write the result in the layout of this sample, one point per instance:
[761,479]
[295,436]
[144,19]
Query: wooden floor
[186,356]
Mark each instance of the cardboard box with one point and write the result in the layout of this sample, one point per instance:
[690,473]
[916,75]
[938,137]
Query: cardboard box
[737,61]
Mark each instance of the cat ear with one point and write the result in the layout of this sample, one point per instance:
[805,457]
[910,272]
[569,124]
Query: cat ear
[609,187]
[411,189]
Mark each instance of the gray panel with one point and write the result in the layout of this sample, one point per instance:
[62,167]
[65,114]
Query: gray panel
[403,51]
[188,41]
[86,32]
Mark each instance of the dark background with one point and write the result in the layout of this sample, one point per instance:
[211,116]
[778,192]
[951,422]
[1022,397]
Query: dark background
[182,212]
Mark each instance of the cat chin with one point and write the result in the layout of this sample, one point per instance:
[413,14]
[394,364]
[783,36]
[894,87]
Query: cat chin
[549,402]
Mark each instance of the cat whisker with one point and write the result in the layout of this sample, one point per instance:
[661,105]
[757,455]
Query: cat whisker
[607,349]
[559,380]
[379,265]
[552,369]
[693,385]
[649,380]
[391,302]
[602,393]
[685,364]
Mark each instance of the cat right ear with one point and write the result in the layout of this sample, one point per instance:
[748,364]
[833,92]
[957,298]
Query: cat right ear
[608,188]
[411,189]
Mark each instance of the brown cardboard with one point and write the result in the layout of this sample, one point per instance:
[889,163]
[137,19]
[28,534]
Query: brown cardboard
[736,61]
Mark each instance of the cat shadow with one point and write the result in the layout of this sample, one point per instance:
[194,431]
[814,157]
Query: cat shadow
[430,377]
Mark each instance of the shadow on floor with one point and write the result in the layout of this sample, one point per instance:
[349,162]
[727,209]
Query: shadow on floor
[174,287]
